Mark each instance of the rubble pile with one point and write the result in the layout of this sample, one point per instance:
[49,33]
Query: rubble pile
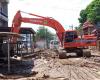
[45,65]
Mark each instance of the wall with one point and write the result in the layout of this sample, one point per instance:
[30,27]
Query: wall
[3,13]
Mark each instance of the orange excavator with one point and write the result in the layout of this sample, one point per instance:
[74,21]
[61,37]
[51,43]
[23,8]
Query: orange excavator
[69,39]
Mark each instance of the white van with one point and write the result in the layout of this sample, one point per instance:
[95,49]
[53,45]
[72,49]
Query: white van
[54,44]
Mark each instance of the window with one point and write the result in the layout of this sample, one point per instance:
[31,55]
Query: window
[70,36]
[3,9]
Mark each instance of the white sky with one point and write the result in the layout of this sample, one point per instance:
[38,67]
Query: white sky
[64,11]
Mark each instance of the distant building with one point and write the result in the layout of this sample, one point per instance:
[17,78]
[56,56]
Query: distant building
[88,28]
[4,13]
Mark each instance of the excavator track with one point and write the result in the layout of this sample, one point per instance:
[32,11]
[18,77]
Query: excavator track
[86,53]
[62,56]
[79,53]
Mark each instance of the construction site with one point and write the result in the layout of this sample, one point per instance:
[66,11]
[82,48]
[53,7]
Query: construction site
[74,55]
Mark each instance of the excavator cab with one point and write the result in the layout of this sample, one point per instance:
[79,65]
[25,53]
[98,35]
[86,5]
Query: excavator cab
[70,36]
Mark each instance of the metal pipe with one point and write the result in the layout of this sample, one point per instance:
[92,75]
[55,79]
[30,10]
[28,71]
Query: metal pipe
[8,56]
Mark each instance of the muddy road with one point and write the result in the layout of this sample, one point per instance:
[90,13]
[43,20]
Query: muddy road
[45,65]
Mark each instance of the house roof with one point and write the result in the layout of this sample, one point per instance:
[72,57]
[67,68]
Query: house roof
[26,30]
[9,34]
[87,24]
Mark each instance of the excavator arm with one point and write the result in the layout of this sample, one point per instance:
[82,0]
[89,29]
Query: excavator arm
[46,21]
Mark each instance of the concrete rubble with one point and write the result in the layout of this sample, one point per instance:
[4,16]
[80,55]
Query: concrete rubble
[45,65]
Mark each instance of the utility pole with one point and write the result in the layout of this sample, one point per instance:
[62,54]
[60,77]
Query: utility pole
[71,27]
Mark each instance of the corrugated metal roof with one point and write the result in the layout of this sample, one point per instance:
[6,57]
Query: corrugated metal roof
[9,34]
[23,30]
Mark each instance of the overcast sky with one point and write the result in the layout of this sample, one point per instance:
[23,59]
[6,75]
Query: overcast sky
[64,11]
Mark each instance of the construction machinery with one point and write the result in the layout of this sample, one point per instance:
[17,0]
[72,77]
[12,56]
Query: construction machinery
[69,39]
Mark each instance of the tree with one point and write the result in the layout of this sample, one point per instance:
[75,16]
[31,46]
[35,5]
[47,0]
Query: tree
[91,13]
[83,17]
[44,33]
[93,10]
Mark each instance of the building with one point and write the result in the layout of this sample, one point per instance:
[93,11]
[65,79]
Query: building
[88,28]
[4,13]
[27,33]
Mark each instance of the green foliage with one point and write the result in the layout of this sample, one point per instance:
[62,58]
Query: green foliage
[91,13]
[83,16]
[44,33]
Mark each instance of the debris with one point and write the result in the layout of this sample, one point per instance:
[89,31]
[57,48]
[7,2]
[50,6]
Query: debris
[46,65]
